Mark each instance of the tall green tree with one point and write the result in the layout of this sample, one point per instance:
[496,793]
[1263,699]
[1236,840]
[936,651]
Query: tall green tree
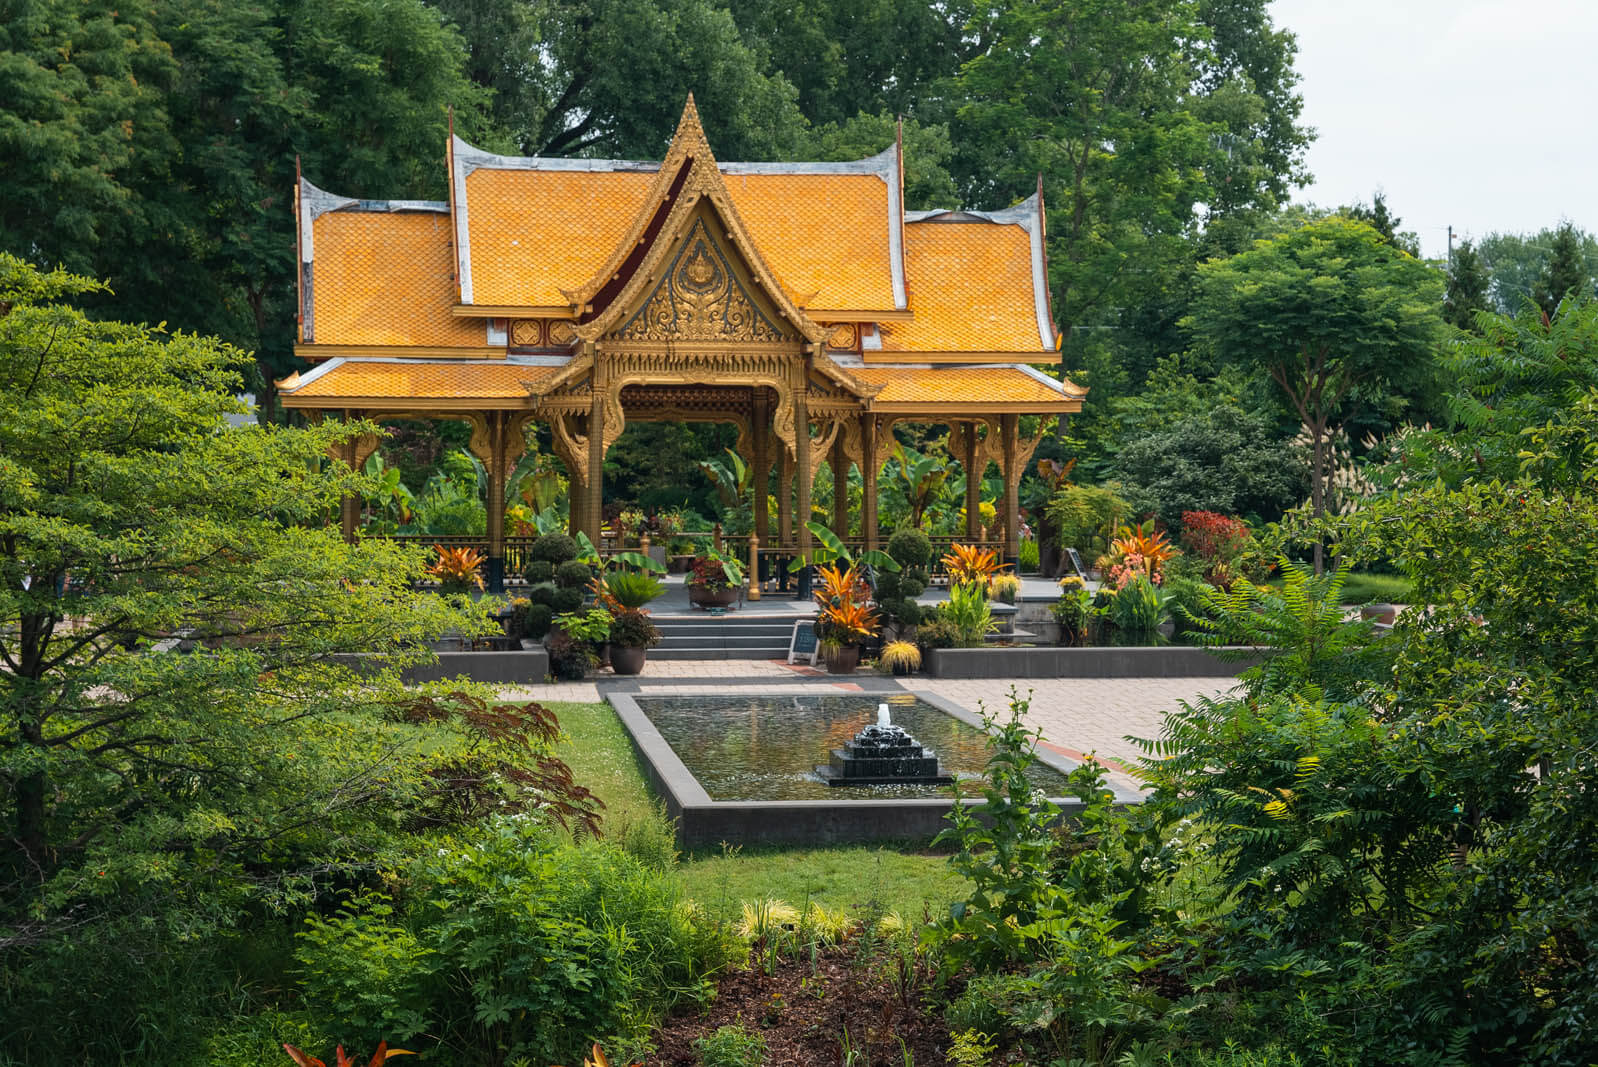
[608,77]
[1566,273]
[1333,313]
[1467,289]
[153,144]
[1379,217]
[1155,125]
[132,517]
[1516,260]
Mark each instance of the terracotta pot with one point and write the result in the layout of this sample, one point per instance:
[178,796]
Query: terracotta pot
[1382,613]
[844,661]
[627,660]
[712,598]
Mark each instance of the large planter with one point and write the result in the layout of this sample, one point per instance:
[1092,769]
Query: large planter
[844,661]
[699,596]
[627,660]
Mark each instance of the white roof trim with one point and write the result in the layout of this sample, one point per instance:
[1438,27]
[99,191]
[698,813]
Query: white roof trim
[314,203]
[316,372]
[459,153]
[1053,383]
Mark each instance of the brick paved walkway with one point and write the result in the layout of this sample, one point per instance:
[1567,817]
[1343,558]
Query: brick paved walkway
[1078,715]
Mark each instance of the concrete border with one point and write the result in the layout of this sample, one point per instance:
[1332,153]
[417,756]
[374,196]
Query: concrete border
[705,823]
[530,666]
[1151,661]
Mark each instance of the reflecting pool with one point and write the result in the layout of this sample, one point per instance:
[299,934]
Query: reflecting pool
[767,748]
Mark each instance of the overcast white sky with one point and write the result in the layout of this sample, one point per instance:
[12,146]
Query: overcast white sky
[1478,113]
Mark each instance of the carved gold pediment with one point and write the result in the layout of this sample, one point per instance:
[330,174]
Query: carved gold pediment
[701,298]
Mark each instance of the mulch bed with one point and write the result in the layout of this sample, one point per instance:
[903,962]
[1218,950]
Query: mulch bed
[802,1010]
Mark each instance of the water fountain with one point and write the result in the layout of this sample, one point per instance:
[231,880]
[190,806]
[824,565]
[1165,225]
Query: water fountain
[883,754]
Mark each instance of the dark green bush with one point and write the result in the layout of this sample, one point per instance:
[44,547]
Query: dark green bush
[565,599]
[539,571]
[912,582]
[888,586]
[902,611]
[573,575]
[910,548]
[543,593]
[536,623]
[553,548]
[515,943]
[938,632]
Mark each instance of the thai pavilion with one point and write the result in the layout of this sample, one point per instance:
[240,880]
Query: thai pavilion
[799,301]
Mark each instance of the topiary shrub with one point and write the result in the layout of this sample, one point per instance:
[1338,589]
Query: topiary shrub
[887,586]
[535,623]
[542,593]
[565,599]
[553,548]
[910,548]
[912,583]
[938,632]
[904,612]
[539,570]
[573,575]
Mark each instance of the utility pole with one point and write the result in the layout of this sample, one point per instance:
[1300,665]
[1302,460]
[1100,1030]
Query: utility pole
[1450,248]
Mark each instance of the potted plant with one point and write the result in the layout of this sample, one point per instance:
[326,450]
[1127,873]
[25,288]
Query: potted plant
[714,581]
[457,569]
[573,643]
[846,617]
[1004,588]
[899,658]
[632,633]
[1073,611]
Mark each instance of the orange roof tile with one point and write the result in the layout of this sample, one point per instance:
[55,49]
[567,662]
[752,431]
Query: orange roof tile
[968,387]
[822,234]
[970,289]
[386,278]
[534,232]
[415,379]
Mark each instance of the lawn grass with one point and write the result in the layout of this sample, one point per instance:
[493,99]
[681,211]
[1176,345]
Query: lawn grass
[1361,588]
[859,878]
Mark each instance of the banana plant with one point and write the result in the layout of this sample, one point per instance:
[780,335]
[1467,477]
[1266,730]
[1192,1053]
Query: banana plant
[731,477]
[535,481]
[587,553]
[833,550]
[923,478]
[389,502]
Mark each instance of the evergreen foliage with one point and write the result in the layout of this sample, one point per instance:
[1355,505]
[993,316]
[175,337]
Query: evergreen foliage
[1467,291]
[1565,275]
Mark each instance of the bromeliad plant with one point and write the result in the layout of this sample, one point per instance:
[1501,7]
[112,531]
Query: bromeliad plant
[457,569]
[972,565]
[1136,549]
[846,617]
[380,1057]
[968,612]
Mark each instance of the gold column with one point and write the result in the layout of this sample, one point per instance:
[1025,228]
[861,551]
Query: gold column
[973,484]
[1009,428]
[804,475]
[760,477]
[593,496]
[576,506]
[840,488]
[868,478]
[497,430]
[785,500]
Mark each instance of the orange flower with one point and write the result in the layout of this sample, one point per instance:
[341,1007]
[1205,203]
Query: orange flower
[457,566]
[971,565]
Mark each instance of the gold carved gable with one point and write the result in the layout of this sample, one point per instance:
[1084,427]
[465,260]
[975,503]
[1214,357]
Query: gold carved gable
[702,297]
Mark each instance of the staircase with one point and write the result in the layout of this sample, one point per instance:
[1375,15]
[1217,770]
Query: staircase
[735,635]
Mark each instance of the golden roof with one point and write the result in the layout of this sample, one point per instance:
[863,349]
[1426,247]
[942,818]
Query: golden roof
[971,288]
[969,389]
[431,382]
[386,278]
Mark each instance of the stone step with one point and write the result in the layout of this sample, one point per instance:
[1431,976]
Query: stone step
[768,652]
[669,640]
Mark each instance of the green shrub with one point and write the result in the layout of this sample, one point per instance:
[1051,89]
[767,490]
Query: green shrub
[1138,608]
[912,582]
[910,548]
[573,574]
[565,600]
[967,609]
[938,632]
[903,611]
[539,571]
[542,593]
[887,587]
[1030,559]
[633,590]
[514,943]
[1085,518]
[536,622]
[553,548]
[731,1046]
